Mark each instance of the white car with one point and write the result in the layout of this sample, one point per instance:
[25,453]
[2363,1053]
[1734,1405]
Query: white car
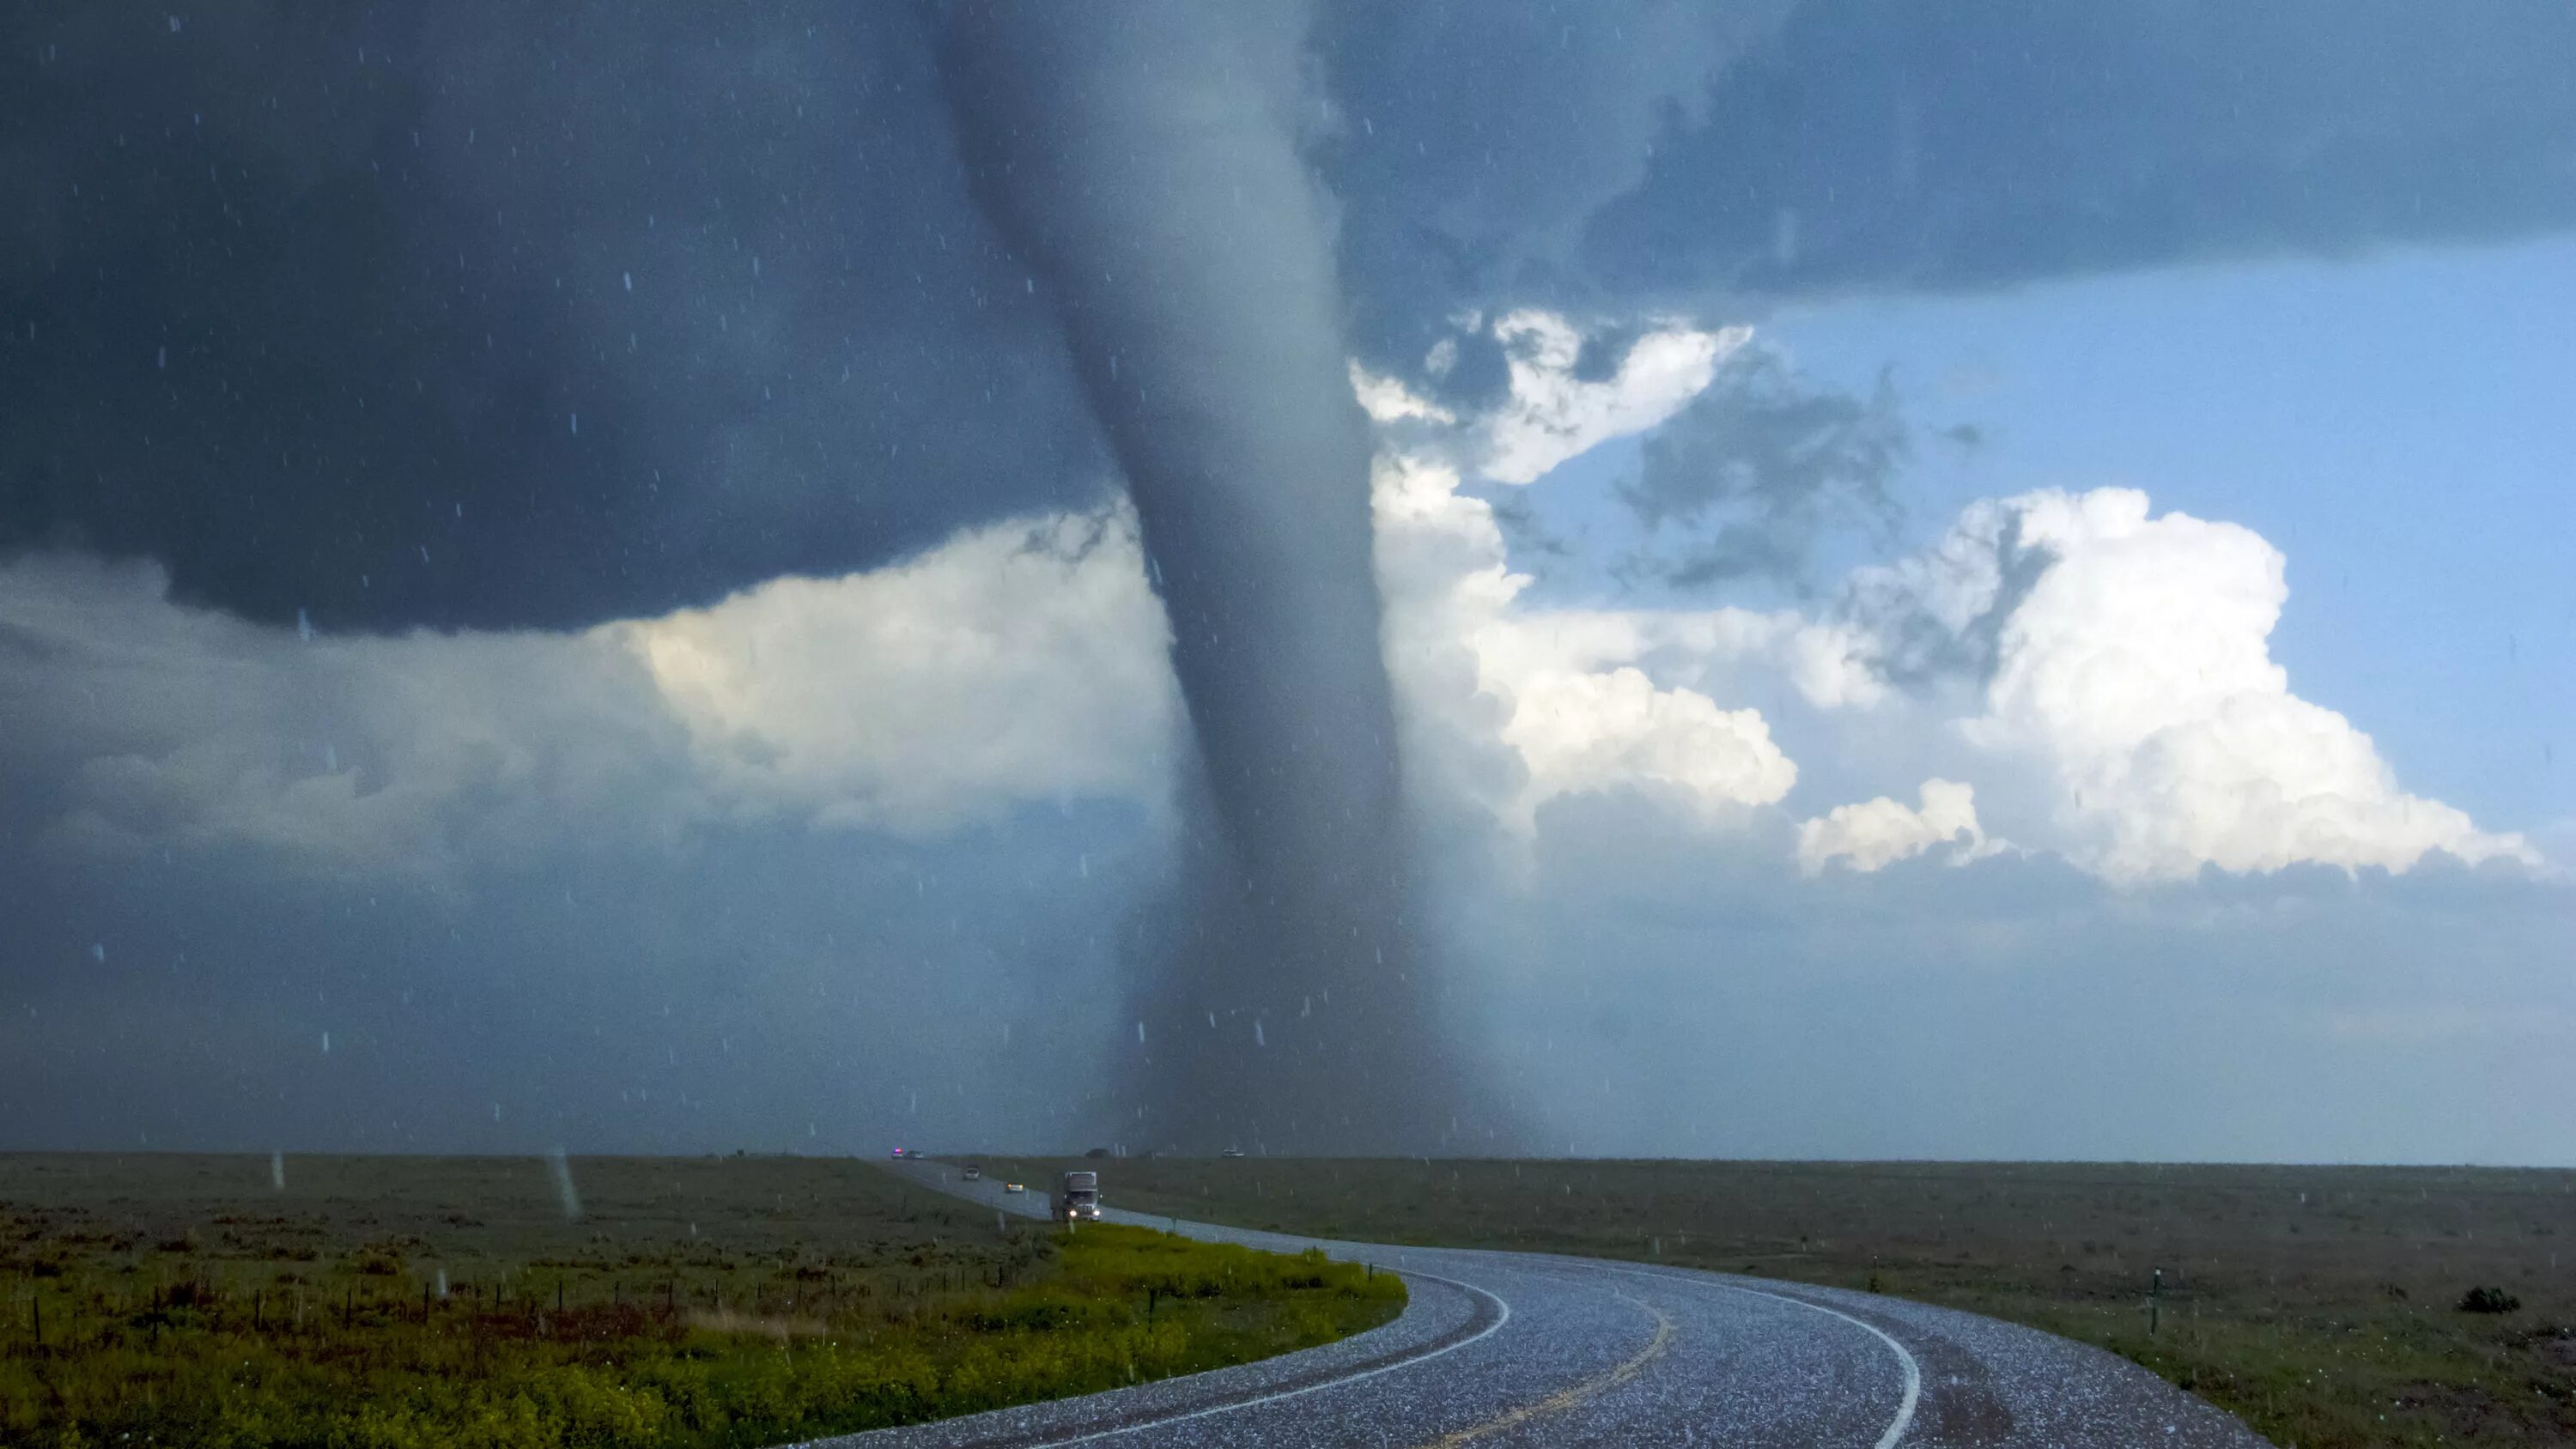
[1013,1187]
[974,1173]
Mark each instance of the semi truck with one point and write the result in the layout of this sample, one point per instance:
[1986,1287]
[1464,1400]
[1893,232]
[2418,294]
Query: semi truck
[1077,1197]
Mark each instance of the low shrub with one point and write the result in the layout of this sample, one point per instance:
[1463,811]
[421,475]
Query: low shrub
[759,1355]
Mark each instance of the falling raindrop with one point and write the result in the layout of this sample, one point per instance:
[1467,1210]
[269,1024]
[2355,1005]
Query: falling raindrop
[630,281]
[98,952]
[277,1171]
[303,627]
[326,1043]
[1140,1033]
[576,425]
[1257,1038]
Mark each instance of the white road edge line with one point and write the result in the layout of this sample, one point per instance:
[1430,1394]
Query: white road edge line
[1502,1316]
[1896,1427]
[1913,1372]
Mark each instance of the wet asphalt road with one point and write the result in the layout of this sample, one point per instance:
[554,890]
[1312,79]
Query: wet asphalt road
[1529,1349]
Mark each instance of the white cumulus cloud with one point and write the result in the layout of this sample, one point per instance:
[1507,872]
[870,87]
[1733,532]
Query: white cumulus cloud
[1019,663]
[1551,414]
[1880,832]
[2108,670]
[2135,669]
[1596,729]
[1562,692]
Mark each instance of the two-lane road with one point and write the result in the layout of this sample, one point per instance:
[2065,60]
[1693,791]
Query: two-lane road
[1529,1349]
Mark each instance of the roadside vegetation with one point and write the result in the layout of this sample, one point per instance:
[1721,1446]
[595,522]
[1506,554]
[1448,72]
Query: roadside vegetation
[740,1301]
[2326,1307]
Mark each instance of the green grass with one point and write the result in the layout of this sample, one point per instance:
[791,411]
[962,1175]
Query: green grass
[693,1303]
[2318,1304]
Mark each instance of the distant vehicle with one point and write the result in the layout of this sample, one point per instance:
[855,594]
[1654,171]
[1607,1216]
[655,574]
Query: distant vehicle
[900,1154]
[1231,1152]
[1077,1197]
[974,1172]
[1013,1187]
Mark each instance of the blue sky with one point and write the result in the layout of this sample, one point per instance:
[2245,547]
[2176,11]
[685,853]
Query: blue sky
[2402,427]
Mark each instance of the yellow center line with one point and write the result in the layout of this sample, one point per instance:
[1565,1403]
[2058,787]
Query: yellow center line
[1567,1398]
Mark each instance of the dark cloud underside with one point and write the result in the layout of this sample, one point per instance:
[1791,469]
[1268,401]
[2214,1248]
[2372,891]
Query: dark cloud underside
[305,301]
[486,315]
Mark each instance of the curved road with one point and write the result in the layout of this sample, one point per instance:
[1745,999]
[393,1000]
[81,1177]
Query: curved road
[1528,1349]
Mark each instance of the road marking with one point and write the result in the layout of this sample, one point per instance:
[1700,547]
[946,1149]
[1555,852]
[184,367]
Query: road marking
[1897,1426]
[1502,1315]
[1565,1399]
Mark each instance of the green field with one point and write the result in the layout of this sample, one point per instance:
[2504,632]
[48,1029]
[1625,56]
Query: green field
[2320,1304]
[687,1302]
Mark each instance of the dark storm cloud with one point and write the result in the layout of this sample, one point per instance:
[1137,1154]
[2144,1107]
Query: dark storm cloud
[1604,158]
[486,315]
[306,302]
[1761,464]
[1148,165]
[1896,146]
[1475,143]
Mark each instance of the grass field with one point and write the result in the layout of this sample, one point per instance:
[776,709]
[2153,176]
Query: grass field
[2319,1304]
[616,1302]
